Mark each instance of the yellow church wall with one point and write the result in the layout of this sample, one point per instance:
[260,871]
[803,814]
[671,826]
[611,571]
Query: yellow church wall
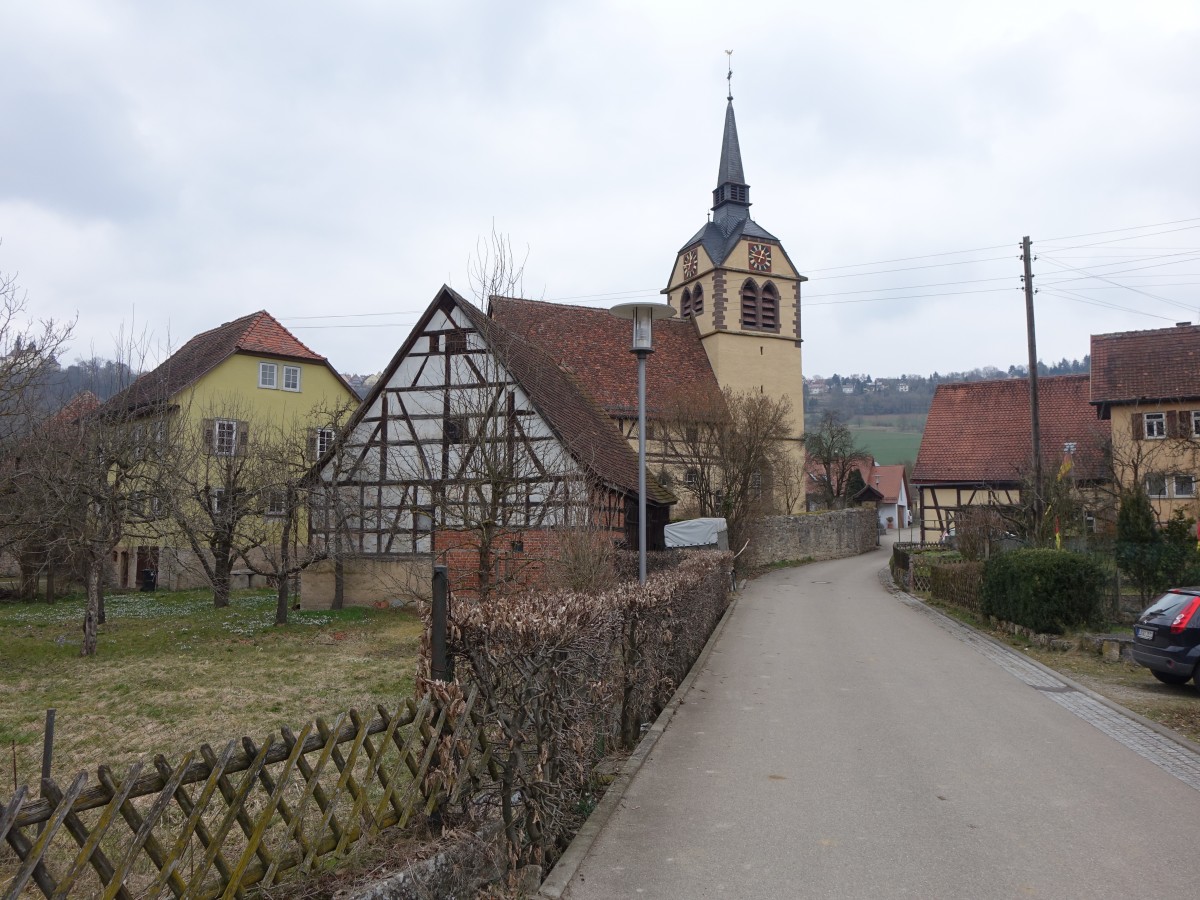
[739,262]
[759,363]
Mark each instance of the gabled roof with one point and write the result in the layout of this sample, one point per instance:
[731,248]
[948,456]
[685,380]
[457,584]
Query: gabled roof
[258,333]
[1145,366]
[593,346]
[560,399]
[888,480]
[979,432]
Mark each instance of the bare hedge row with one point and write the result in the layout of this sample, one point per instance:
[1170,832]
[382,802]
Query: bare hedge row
[568,678]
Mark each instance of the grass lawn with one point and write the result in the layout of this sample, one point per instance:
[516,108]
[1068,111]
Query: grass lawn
[888,445]
[172,673]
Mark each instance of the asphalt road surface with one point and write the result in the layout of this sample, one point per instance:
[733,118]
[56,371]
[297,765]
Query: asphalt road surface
[844,742]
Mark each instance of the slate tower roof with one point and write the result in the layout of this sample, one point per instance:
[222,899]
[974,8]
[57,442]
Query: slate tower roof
[731,201]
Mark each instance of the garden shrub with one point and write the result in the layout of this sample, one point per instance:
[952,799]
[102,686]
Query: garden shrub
[1049,591]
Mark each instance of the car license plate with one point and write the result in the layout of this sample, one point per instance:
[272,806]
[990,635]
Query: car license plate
[1145,634]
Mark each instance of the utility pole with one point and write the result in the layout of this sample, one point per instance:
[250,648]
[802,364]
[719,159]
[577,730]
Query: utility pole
[1035,427]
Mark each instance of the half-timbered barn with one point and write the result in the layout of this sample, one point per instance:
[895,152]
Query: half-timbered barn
[477,448]
[977,448]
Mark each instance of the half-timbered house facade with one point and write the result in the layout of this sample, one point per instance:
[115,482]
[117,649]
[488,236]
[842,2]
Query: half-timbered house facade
[977,449]
[478,449]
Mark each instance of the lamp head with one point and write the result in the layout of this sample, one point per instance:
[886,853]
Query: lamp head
[643,316]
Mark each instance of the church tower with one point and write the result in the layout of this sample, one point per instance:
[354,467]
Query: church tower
[735,280]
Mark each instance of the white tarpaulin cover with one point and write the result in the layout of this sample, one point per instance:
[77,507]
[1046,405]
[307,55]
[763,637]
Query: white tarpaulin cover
[698,533]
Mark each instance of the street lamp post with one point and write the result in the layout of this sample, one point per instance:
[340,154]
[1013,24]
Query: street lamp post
[643,316]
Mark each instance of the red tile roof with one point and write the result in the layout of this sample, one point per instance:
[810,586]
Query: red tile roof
[979,432]
[887,480]
[1132,366]
[593,346]
[258,333]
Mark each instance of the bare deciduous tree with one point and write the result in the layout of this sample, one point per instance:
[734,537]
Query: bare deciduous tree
[288,490]
[728,451]
[90,477]
[209,484]
[831,449]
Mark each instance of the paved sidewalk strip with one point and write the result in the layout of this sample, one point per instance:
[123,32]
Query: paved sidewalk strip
[1145,742]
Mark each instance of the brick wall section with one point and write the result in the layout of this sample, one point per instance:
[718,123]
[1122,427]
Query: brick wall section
[829,535]
[521,557]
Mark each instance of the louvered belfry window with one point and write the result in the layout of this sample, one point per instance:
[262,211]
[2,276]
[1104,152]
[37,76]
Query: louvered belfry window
[768,307]
[749,304]
[760,306]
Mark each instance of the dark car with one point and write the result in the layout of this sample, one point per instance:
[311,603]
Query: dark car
[1166,638]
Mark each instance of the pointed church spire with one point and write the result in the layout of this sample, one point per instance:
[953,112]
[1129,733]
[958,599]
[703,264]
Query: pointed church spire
[732,196]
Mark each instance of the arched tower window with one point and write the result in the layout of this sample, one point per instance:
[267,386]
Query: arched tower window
[685,304]
[698,301]
[768,307]
[749,304]
[760,306]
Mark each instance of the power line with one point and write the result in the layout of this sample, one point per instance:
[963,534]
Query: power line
[1071,237]
[1129,238]
[909,287]
[885,262]
[1110,281]
[1084,275]
[912,296]
[1070,295]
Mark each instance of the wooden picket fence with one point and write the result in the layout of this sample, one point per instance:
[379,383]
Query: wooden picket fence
[194,830]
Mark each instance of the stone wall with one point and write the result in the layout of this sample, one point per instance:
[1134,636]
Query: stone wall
[826,535]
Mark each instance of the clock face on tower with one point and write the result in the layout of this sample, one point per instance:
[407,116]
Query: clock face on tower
[760,257]
[691,261]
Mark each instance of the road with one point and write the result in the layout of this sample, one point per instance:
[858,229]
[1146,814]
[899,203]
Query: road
[844,742]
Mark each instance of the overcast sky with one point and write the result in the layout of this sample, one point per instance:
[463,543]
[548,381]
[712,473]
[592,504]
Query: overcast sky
[169,167]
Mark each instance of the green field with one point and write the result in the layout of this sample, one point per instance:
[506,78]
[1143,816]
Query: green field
[888,445]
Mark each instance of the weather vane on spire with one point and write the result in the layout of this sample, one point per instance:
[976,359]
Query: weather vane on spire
[729,76]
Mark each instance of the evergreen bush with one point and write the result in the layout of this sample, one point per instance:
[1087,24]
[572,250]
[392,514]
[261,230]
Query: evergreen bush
[1049,591]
